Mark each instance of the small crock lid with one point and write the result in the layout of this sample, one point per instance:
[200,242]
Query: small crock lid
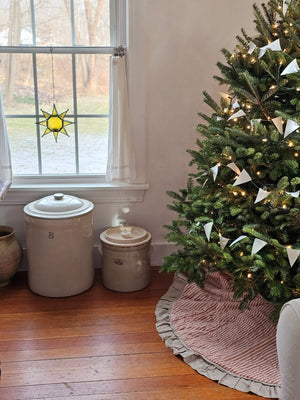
[125,235]
[58,206]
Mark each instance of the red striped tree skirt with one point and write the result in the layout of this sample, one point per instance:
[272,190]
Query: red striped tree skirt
[206,328]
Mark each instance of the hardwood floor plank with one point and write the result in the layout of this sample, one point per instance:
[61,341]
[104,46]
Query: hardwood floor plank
[180,387]
[99,345]
[84,351]
[86,322]
[90,369]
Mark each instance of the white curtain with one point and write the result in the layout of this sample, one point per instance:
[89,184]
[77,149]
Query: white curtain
[121,159]
[5,160]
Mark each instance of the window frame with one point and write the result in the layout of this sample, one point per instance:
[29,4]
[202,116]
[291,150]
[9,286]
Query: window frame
[129,14]
[117,37]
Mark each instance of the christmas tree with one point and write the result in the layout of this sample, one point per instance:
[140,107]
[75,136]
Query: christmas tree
[240,211]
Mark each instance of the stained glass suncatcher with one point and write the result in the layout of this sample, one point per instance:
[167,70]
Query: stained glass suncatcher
[55,123]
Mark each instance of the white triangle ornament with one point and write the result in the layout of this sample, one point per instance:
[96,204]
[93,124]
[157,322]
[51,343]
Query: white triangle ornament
[238,239]
[235,105]
[285,6]
[252,47]
[274,46]
[292,68]
[234,168]
[258,244]
[214,171]
[238,114]
[261,195]
[278,121]
[223,241]
[294,194]
[291,126]
[207,229]
[242,178]
[293,254]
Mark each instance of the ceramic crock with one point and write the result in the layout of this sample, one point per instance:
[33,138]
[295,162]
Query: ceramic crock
[59,237]
[126,254]
[10,254]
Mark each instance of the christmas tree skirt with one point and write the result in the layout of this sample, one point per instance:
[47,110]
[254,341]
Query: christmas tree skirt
[206,328]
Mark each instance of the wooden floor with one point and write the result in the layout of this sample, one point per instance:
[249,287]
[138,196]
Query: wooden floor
[94,346]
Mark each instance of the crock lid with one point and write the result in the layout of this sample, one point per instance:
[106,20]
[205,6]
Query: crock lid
[58,206]
[125,235]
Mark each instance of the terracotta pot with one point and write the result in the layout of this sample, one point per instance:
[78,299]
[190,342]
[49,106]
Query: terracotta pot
[10,254]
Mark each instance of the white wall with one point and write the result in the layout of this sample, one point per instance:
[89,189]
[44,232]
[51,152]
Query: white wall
[183,40]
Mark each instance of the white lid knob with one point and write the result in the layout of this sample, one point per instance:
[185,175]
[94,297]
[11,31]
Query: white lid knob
[58,196]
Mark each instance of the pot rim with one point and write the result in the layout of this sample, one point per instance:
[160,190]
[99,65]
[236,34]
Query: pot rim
[6,229]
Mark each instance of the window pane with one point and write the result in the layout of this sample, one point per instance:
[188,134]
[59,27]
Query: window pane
[61,79]
[92,83]
[23,145]
[16,83]
[59,157]
[53,23]
[93,140]
[15,25]
[92,23]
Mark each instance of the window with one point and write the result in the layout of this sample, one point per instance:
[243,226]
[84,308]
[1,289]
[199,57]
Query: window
[57,52]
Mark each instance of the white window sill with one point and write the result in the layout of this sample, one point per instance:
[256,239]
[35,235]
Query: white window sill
[21,194]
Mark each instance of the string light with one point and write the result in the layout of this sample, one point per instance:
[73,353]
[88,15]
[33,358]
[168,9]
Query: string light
[291,144]
[249,275]
[296,154]
[284,206]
